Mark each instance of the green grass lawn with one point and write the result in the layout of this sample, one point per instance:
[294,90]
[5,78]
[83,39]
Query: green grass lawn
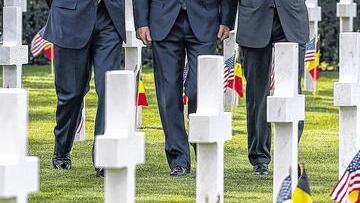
[318,150]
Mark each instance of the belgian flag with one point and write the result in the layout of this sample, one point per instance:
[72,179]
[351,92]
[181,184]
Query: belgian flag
[142,100]
[235,82]
[314,66]
[302,193]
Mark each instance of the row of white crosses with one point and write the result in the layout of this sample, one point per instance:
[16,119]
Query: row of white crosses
[285,109]
[19,173]
[314,12]
[210,127]
[347,97]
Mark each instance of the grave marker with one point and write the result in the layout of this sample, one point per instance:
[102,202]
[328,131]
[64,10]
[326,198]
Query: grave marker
[229,51]
[285,109]
[133,50]
[209,128]
[19,173]
[120,148]
[12,53]
[346,11]
[347,97]
[314,12]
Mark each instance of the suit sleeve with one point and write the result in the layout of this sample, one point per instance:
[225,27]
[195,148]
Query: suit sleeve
[141,13]
[228,12]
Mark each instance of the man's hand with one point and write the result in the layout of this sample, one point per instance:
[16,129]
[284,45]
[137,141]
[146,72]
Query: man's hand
[223,33]
[143,33]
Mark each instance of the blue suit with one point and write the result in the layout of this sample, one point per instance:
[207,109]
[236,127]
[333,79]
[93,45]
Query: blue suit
[261,24]
[71,22]
[178,33]
[85,34]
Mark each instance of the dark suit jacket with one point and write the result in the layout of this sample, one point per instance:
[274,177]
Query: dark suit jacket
[205,16]
[71,22]
[256,19]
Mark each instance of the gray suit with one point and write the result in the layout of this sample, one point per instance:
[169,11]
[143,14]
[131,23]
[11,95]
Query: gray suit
[85,34]
[261,24]
[177,33]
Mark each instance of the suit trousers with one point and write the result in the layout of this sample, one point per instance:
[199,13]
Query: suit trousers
[169,62]
[73,68]
[257,64]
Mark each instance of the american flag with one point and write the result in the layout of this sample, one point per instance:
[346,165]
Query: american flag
[38,44]
[349,182]
[229,70]
[310,53]
[284,195]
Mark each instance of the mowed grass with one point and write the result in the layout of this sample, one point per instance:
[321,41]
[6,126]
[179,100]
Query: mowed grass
[318,150]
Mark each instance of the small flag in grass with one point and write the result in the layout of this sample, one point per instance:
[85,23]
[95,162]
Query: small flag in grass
[302,193]
[348,187]
[142,100]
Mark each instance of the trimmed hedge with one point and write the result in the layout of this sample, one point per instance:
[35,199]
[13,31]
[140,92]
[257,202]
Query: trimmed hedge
[36,17]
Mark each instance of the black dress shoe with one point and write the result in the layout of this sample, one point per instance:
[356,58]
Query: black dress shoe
[62,163]
[100,172]
[261,169]
[179,171]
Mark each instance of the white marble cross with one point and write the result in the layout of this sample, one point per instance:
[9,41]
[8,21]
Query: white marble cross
[209,128]
[120,148]
[19,173]
[285,109]
[347,97]
[12,53]
[133,50]
[314,12]
[80,134]
[230,47]
[346,10]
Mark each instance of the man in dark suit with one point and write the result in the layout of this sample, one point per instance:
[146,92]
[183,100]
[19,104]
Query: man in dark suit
[86,34]
[261,24]
[176,29]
